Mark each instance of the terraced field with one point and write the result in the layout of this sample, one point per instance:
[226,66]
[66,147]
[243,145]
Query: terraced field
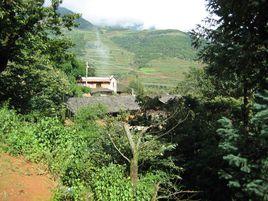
[104,55]
[156,57]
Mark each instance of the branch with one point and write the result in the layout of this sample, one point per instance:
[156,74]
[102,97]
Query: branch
[130,139]
[174,126]
[118,149]
[176,194]
[156,188]
[141,134]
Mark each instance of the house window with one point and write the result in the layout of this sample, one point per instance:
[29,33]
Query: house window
[98,85]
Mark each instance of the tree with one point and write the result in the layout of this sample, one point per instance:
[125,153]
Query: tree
[197,151]
[142,147]
[236,50]
[145,149]
[136,87]
[247,158]
[75,68]
[28,28]
[196,83]
[36,87]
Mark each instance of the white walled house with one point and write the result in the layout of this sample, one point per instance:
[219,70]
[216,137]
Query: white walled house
[99,83]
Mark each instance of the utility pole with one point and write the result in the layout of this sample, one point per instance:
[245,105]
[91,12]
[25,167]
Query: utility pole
[87,67]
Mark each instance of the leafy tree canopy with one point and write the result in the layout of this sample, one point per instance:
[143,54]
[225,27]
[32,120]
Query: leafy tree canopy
[236,48]
[36,87]
[28,28]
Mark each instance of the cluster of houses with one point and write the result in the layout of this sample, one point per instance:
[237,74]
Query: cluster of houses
[104,90]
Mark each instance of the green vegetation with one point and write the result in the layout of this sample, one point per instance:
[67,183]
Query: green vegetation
[35,87]
[209,143]
[149,45]
[83,155]
[26,32]
[227,138]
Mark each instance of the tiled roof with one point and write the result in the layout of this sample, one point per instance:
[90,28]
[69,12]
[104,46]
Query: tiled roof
[114,104]
[96,79]
[100,90]
[164,98]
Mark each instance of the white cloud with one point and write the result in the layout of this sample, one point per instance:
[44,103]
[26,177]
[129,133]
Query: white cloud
[163,14]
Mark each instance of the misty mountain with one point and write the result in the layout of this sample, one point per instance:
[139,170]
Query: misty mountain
[157,57]
[83,23]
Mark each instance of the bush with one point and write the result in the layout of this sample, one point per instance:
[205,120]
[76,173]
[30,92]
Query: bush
[89,114]
[78,91]
[79,155]
[110,183]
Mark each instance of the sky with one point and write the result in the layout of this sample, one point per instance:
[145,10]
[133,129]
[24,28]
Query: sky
[161,14]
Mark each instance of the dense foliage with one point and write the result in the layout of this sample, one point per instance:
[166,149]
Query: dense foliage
[225,156]
[27,29]
[81,155]
[236,51]
[246,156]
[38,70]
[36,87]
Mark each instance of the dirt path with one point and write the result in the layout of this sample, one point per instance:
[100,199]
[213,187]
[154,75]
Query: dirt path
[23,181]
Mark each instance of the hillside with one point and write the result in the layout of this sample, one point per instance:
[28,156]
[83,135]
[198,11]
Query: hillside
[149,45]
[157,57]
[83,24]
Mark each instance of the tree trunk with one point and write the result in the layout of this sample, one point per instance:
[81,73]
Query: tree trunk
[156,189]
[246,107]
[3,62]
[134,166]
[134,170]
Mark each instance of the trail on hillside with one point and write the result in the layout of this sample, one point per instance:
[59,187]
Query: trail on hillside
[24,181]
[98,53]
[102,50]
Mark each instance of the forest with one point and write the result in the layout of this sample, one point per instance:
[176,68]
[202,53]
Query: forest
[210,143]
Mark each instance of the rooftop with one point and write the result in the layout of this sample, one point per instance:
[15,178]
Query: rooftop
[164,98]
[97,79]
[114,104]
[101,90]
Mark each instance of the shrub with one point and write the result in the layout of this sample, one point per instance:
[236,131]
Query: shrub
[89,114]
[79,155]
[109,183]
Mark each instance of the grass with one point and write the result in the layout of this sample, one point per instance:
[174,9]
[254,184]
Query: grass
[147,70]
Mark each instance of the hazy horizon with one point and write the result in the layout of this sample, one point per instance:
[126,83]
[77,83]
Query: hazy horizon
[183,15]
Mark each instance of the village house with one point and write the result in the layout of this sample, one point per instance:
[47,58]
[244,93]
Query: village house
[99,84]
[121,103]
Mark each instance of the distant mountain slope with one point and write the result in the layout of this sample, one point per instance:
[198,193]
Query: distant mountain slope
[157,57]
[148,45]
[83,24]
